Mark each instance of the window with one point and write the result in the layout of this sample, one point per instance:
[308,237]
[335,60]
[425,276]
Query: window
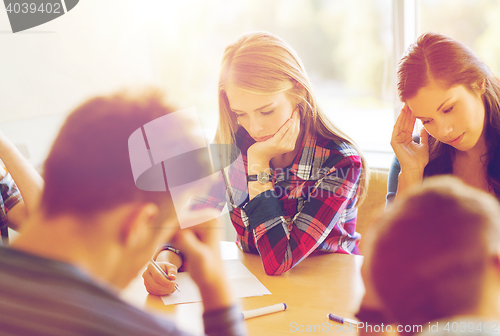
[346,46]
[475,23]
[349,47]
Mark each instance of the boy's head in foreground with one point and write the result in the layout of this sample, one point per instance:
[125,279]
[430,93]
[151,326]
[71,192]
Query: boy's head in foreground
[88,179]
[436,254]
[95,227]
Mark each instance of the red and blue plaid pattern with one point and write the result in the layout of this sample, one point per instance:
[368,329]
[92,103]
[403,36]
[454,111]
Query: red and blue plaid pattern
[10,196]
[311,208]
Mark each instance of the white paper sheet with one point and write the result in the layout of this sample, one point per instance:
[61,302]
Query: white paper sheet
[242,281]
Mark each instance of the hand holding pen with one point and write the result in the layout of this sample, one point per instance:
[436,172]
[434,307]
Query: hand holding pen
[159,278]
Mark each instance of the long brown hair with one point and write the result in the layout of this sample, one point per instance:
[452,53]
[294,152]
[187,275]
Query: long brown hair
[262,63]
[435,56]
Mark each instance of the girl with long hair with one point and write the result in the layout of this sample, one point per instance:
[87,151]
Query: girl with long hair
[301,178]
[457,97]
[304,176]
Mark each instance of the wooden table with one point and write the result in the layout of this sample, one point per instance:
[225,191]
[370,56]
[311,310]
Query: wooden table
[321,284]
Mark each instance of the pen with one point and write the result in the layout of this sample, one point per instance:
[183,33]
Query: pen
[158,268]
[264,310]
[342,320]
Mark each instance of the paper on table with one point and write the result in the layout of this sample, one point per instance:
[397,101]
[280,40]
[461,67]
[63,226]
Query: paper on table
[243,284]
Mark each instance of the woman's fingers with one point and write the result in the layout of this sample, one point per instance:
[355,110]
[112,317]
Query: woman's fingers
[397,132]
[411,156]
[410,119]
[398,124]
[283,141]
[288,137]
[402,120]
[424,137]
[287,127]
[291,135]
[403,128]
[283,130]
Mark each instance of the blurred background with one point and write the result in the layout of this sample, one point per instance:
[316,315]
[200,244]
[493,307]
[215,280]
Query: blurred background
[350,50]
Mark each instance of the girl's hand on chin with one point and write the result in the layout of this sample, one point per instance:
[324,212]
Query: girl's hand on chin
[281,143]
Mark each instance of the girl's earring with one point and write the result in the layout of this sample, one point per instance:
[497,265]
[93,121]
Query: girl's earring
[238,122]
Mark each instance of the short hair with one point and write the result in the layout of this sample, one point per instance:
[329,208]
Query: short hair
[431,251]
[88,169]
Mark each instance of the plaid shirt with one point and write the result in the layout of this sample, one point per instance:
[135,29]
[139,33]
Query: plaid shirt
[10,196]
[311,207]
